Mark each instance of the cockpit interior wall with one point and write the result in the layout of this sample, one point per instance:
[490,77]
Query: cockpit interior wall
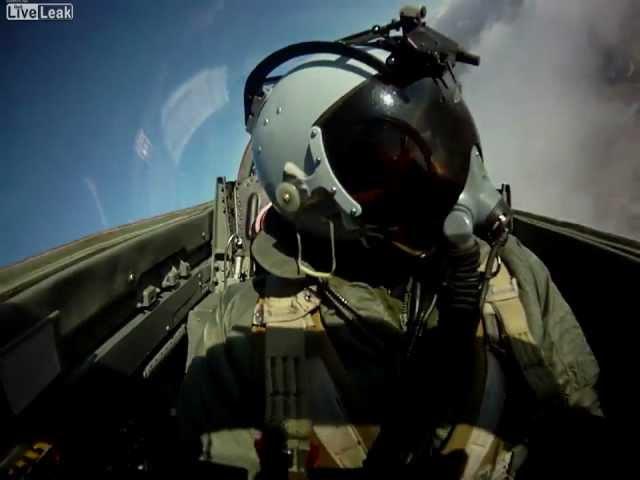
[557,101]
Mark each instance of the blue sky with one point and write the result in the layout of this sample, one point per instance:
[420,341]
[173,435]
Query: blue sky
[166,76]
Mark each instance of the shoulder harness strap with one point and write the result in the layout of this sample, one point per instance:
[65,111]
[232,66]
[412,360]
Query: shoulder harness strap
[504,305]
[304,380]
[505,320]
[486,456]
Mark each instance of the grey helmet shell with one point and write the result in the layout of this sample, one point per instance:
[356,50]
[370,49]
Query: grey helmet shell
[282,133]
[305,158]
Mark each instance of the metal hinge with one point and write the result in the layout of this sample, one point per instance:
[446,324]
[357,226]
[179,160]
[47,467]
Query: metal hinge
[184,269]
[149,296]
[171,279]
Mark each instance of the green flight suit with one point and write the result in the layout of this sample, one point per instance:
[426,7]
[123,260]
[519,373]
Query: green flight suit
[222,397]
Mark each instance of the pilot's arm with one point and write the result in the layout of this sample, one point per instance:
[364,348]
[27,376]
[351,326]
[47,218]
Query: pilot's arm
[217,408]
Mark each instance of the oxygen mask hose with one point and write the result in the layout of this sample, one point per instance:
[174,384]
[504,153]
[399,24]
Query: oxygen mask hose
[480,210]
[459,301]
[461,292]
[460,296]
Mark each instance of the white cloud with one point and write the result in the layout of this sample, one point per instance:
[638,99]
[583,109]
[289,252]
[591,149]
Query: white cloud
[189,106]
[550,122]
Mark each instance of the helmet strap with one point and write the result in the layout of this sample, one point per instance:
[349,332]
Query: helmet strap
[304,268]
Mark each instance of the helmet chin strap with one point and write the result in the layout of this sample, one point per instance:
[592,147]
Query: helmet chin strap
[304,268]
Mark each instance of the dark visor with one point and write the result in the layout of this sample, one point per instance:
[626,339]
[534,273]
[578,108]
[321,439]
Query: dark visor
[401,152]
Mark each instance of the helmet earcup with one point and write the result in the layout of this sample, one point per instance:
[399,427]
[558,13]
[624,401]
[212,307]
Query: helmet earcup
[288,198]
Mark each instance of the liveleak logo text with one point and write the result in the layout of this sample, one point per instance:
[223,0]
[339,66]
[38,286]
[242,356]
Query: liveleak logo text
[39,11]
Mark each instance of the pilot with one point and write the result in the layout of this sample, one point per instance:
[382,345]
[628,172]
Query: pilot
[394,325]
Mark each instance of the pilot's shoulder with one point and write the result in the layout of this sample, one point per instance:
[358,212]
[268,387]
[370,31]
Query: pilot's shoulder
[237,301]
[554,327]
[514,248]
[523,263]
